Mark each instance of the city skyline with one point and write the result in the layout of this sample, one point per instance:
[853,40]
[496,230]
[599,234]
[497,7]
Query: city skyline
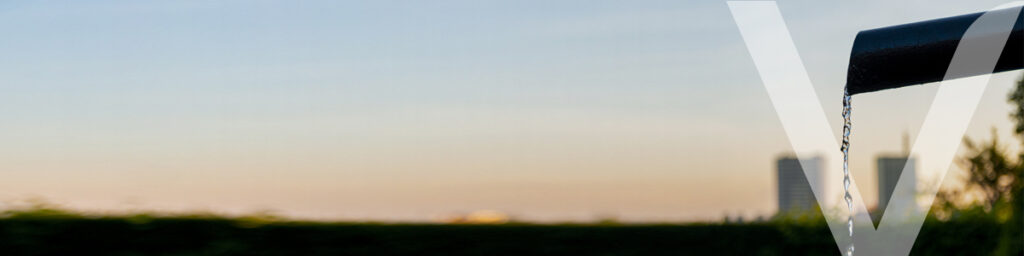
[794,191]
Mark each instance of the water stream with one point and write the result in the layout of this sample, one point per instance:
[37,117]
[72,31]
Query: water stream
[847,124]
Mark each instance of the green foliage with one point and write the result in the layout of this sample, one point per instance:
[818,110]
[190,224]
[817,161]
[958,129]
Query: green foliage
[1016,98]
[991,173]
[998,177]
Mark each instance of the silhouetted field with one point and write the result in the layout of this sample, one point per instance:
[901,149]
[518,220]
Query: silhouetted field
[142,235]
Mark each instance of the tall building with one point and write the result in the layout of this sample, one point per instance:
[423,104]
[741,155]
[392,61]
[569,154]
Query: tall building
[794,189]
[890,168]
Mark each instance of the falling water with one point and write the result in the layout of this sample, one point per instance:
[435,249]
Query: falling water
[847,124]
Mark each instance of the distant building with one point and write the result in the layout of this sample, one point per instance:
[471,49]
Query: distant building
[794,190]
[890,168]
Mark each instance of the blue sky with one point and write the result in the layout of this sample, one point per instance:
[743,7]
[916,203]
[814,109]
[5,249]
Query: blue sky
[407,110]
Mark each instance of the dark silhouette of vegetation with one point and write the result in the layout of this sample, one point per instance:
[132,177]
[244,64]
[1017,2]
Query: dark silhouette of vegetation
[51,231]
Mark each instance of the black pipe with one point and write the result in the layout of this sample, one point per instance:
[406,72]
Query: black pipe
[917,53]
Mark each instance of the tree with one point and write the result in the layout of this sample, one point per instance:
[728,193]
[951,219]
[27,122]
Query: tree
[991,172]
[998,177]
[1014,238]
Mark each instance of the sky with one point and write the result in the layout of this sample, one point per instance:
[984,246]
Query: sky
[411,110]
